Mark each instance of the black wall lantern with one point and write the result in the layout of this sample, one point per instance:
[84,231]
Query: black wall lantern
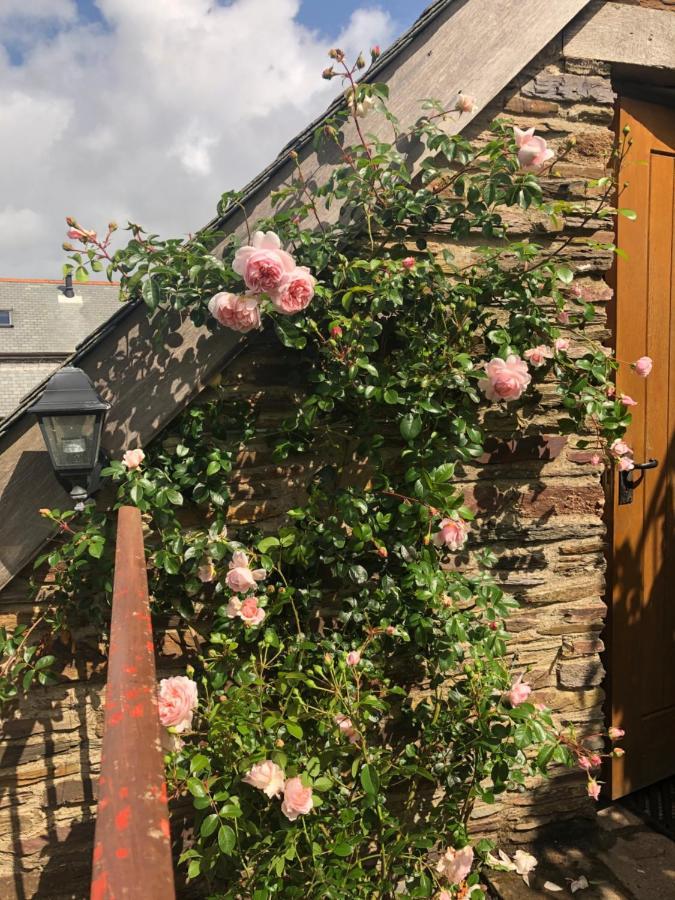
[71,416]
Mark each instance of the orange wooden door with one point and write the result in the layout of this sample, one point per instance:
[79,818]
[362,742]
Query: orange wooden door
[642,654]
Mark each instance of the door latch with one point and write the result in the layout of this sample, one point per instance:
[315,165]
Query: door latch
[626,483]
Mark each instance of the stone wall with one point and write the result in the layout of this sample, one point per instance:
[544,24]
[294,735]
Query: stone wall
[540,506]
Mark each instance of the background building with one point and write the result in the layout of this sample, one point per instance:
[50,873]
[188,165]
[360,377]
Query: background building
[41,326]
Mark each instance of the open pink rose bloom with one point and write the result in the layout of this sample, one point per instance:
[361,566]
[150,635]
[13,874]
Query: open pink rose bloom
[177,700]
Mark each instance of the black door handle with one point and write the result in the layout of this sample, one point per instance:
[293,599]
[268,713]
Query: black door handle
[626,483]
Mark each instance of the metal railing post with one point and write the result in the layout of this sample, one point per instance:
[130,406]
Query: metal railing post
[132,845]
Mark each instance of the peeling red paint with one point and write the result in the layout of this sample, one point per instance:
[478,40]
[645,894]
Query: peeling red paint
[121,852]
[98,852]
[164,825]
[130,670]
[124,793]
[138,711]
[122,818]
[99,887]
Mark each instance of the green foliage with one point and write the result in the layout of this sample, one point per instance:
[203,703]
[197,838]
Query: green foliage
[393,419]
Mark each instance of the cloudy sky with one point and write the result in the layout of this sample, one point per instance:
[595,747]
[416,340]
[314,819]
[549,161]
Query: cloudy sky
[149,109]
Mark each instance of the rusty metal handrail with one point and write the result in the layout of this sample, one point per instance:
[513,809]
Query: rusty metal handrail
[132,845]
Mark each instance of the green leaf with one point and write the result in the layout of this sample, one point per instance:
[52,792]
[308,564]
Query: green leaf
[564,274]
[196,788]
[226,839]
[200,763]
[95,548]
[370,780]
[174,497]
[209,825]
[150,292]
[45,662]
[267,543]
[342,849]
[294,730]
[410,426]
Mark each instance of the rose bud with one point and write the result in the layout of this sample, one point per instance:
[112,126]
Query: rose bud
[375,52]
[336,331]
[360,62]
[383,552]
[328,73]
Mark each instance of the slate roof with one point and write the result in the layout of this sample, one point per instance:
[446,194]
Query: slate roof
[45,321]
[46,328]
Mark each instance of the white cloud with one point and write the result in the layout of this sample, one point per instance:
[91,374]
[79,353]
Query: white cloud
[155,115]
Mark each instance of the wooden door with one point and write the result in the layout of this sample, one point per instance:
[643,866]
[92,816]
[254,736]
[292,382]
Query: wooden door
[642,650]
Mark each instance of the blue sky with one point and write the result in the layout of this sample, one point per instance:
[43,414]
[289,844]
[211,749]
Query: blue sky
[327,16]
[147,110]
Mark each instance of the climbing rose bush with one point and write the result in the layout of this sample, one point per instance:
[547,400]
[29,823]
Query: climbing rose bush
[353,693]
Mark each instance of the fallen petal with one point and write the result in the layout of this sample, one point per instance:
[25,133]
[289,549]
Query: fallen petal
[580,884]
[552,886]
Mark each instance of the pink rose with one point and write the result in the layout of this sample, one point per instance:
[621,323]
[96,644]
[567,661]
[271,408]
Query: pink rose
[353,658]
[643,366]
[240,578]
[177,700]
[564,317]
[593,789]
[206,573]
[626,464]
[297,799]
[561,344]
[452,533]
[532,150]
[585,763]
[506,379]
[408,262]
[250,613]
[615,734]
[346,726]
[267,776]
[620,448]
[618,752]
[262,263]
[521,136]
[465,104]
[294,292]
[443,895]
[538,355]
[240,312]
[595,459]
[518,693]
[455,865]
[626,400]
[81,234]
[133,458]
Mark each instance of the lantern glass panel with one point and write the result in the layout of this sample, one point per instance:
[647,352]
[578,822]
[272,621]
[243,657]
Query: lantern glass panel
[72,440]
